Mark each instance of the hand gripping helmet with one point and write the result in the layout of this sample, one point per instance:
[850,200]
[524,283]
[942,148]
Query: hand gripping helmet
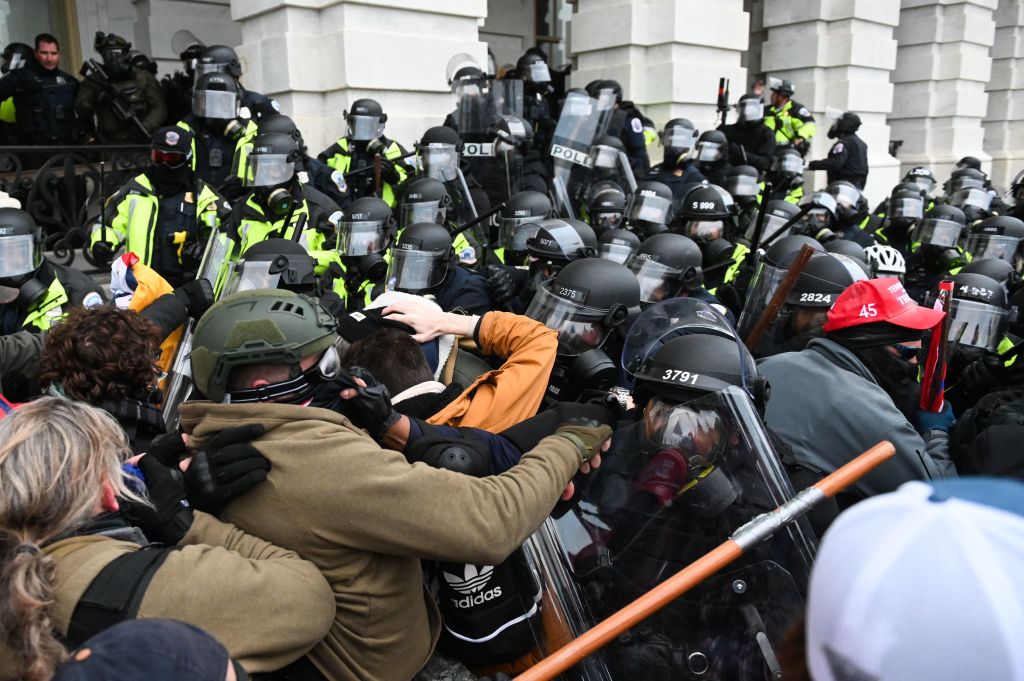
[885,261]
[365,232]
[617,245]
[365,121]
[15,56]
[259,327]
[824,277]
[439,150]
[998,237]
[219,59]
[923,177]
[606,203]
[558,242]
[584,302]
[215,97]
[712,147]
[703,215]
[744,184]
[939,234]
[677,138]
[512,133]
[421,259]
[650,207]
[665,265]
[21,255]
[979,314]
[424,200]
[274,263]
[520,219]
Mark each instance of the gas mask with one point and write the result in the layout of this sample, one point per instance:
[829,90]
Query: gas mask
[278,200]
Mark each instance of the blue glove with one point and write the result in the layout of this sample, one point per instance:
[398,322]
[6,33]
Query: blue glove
[943,420]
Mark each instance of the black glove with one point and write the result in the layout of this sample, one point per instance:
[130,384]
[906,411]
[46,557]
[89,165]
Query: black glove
[501,287]
[168,449]
[371,408]
[103,253]
[333,303]
[586,434]
[228,467]
[170,516]
[980,373]
[388,171]
[197,295]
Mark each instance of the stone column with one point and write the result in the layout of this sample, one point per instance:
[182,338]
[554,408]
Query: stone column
[1004,123]
[838,54]
[667,54]
[942,67]
[318,56]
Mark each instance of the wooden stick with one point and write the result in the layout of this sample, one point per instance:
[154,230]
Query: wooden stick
[751,534]
[779,297]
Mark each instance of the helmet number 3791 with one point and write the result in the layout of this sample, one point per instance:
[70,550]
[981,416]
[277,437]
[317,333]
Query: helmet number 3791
[680,376]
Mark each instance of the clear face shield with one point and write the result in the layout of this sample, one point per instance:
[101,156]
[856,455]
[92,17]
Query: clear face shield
[657,281]
[538,73]
[16,61]
[251,275]
[650,209]
[425,211]
[579,327]
[939,232]
[789,164]
[962,183]
[709,152]
[209,67]
[269,170]
[977,324]
[605,220]
[750,110]
[216,104]
[743,187]
[906,208]
[616,251]
[440,161]
[971,198]
[765,281]
[413,270]
[364,128]
[678,137]
[999,246]
[18,256]
[923,182]
[361,238]
[704,230]
[846,199]
[605,157]
[772,225]
[514,233]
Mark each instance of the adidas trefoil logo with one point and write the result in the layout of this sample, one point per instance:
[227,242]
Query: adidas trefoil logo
[472,583]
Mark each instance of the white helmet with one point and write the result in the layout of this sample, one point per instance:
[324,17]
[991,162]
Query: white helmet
[885,261]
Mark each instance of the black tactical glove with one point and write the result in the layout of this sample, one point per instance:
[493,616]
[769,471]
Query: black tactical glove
[228,467]
[586,434]
[388,171]
[501,287]
[197,295]
[102,253]
[170,516]
[980,373]
[168,449]
[371,408]
[333,303]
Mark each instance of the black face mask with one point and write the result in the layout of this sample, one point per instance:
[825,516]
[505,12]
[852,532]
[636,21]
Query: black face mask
[168,181]
[325,394]
[896,376]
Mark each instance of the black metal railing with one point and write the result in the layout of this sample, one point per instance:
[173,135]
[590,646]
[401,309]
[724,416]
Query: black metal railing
[64,188]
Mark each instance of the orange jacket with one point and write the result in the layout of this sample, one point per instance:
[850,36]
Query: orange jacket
[503,397]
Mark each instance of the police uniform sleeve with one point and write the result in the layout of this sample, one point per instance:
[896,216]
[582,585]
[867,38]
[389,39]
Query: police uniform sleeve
[836,158]
[157,108]
[803,122]
[264,603]
[761,157]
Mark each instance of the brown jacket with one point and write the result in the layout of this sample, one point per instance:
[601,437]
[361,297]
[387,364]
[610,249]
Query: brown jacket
[366,516]
[265,604]
[504,397]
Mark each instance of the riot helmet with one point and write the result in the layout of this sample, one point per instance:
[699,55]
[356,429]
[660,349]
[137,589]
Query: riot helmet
[777,214]
[617,245]
[189,56]
[885,261]
[847,197]
[677,137]
[16,56]
[519,223]
[365,232]
[512,133]
[998,237]
[821,216]
[215,97]
[365,121]
[650,206]
[786,162]
[114,50]
[906,206]
[923,177]
[848,123]
[584,303]
[665,266]
[271,168]
[558,242]
[21,256]
[979,314]
[686,368]
[965,178]
[604,154]
[284,125]
[968,162]
[750,109]
[262,327]
[606,204]
[439,150]
[273,264]
[532,68]
[425,200]
[997,269]
[850,249]
[1017,189]
[421,259]
[939,234]
[769,273]
[219,59]
[704,215]
[824,277]
[744,184]
[712,147]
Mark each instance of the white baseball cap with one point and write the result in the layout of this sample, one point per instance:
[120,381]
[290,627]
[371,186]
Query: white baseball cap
[922,584]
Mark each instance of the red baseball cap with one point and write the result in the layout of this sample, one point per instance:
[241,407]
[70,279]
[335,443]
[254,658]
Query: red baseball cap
[879,300]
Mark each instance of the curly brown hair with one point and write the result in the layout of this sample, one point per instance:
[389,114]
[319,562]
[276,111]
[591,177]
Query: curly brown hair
[102,354]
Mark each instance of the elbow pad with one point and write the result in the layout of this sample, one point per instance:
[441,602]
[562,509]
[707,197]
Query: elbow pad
[466,455]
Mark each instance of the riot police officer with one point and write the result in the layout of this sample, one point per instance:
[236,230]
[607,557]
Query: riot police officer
[904,210]
[703,216]
[15,56]
[786,175]
[668,265]
[216,128]
[1002,237]
[792,122]
[42,93]
[935,250]
[356,151]
[627,123]
[177,87]
[606,205]
[324,178]
[712,156]
[513,136]
[618,245]
[676,169]
[744,186]
[223,59]
[751,143]
[122,104]
[536,77]
[518,225]
[649,209]
[366,232]
[557,243]
[848,157]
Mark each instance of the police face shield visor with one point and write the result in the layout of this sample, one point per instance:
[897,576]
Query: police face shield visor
[413,270]
[788,163]
[360,238]
[616,252]
[650,209]
[657,282]
[15,62]
[252,275]
[364,128]
[666,320]
[18,256]
[750,110]
[268,170]
[977,324]
[709,152]
[440,161]
[907,208]
[678,137]
[923,182]
[561,241]
[538,73]
[692,429]
[846,198]
[766,280]
[742,186]
[939,232]
[973,198]
[997,246]
[514,233]
[605,157]
[426,211]
[209,67]
[704,230]
[961,183]
[772,225]
[216,104]
[113,55]
[579,327]
[607,220]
